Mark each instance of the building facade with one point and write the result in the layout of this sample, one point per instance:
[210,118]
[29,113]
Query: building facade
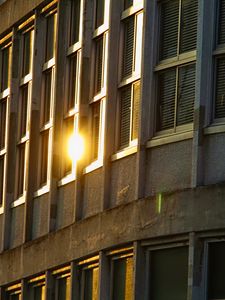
[141,215]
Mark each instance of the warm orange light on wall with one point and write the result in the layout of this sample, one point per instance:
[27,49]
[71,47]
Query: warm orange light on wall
[75,147]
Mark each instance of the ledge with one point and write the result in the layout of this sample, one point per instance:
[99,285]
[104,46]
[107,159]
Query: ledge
[172,138]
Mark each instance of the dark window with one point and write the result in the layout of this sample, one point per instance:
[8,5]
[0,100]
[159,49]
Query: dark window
[99,18]
[23,111]
[90,287]
[219,111]
[47,96]
[50,37]
[3,110]
[128,49]
[75,21]
[1,178]
[98,74]
[72,81]
[21,169]
[221,24]
[169,274]
[5,69]
[27,49]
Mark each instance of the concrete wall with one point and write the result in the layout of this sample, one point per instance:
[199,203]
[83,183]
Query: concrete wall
[40,216]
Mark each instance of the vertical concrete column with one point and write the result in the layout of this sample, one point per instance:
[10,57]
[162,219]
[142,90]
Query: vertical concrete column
[39,39]
[104,277]
[148,92]
[59,92]
[111,100]
[11,138]
[139,272]
[195,291]
[84,101]
[75,292]
[203,85]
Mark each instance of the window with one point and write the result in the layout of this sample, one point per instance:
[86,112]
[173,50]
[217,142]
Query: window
[129,92]
[36,288]
[99,13]
[47,98]
[176,68]
[89,279]
[5,64]
[24,111]
[169,273]
[216,270]
[62,284]
[219,103]
[75,21]
[122,277]
[13,292]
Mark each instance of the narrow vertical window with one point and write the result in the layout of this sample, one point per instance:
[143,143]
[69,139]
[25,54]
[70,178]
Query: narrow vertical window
[98,65]
[75,21]
[128,50]
[50,37]
[95,129]
[176,85]
[73,73]
[44,157]
[99,14]
[2,161]
[5,68]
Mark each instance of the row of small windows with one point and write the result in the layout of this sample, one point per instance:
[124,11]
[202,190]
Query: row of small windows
[175,75]
[166,270]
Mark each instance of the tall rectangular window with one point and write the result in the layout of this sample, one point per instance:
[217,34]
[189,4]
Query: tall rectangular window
[5,55]
[99,13]
[75,21]
[24,101]
[169,273]
[62,287]
[176,68]
[36,288]
[47,98]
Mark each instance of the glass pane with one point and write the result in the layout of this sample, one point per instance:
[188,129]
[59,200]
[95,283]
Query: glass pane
[167,94]
[169,21]
[23,111]
[125,116]
[98,65]
[221,24]
[91,284]
[75,22]
[3,105]
[47,96]
[216,271]
[72,81]
[135,114]
[189,20]
[186,95]
[50,37]
[5,68]
[169,274]
[27,45]
[100,6]
[128,51]
[20,170]
[63,288]
[1,178]
[44,157]
[95,129]
[220,89]
[123,279]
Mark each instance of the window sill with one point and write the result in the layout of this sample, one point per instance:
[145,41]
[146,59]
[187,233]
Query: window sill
[21,200]
[168,139]
[67,179]
[125,152]
[214,128]
[74,48]
[93,166]
[4,94]
[100,30]
[129,80]
[43,190]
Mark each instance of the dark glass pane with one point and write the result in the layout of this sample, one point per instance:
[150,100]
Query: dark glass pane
[169,22]
[186,94]
[189,20]
[27,52]
[38,293]
[47,96]
[100,6]
[128,51]
[216,271]
[125,116]
[50,37]
[72,82]
[3,106]
[167,94]
[5,69]
[220,89]
[221,25]
[98,65]
[91,284]
[75,22]
[169,274]
[128,3]
[95,129]
[21,170]
[23,111]
[123,279]
[44,157]
[63,288]
[1,178]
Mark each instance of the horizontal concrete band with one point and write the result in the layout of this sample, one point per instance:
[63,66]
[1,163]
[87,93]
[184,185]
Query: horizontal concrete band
[142,219]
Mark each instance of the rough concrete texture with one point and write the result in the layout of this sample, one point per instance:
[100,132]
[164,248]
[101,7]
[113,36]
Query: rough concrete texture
[214,146]
[139,219]
[65,205]
[169,167]
[123,180]
[16,228]
[93,192]
[40,216]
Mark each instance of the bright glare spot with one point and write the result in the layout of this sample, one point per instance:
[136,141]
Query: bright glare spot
[75,147]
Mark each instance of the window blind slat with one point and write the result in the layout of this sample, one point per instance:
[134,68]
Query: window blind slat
[125,116]
[221,29]
[128,47]
[189,18]
[186,95]
[98,65]
[169,28]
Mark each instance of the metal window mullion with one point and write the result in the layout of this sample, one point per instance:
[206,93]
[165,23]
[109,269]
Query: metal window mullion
[176,98]
[179,28]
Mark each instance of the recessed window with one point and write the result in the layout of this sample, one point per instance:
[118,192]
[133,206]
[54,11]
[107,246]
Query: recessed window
[169,273]
[73,81]
[75,21]
[99,13]
[176,84]
[99,65]
[50,36]
[3,110]
[44,157]
[5,55]
[95,129]
[27,52]
[2,168]
[62,287]
[47,97]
